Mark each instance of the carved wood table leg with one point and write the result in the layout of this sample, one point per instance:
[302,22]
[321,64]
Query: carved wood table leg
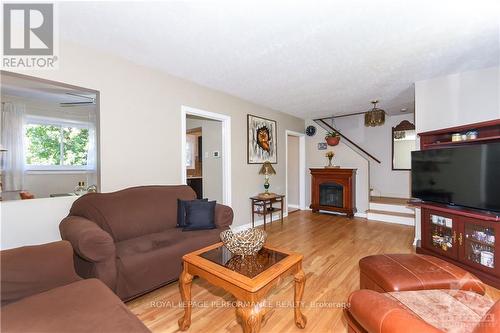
[300,281]
[185,287]
[250,316]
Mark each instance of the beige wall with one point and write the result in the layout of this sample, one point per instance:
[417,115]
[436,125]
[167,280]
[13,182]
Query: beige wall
[140,110]
[293,171]
[344,157]
[458,99]
[377,141]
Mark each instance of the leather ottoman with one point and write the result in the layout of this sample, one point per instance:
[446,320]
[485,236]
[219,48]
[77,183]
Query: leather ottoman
[400,272]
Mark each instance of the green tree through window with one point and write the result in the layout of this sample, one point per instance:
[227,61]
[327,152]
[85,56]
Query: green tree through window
[56,145]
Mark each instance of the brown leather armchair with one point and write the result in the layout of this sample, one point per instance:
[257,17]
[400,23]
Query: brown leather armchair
[414,312]
[129,240]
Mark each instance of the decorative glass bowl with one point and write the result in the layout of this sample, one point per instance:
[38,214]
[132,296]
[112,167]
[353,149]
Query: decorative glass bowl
[246,242]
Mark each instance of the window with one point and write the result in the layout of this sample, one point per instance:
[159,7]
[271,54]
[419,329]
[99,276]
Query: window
[52,144]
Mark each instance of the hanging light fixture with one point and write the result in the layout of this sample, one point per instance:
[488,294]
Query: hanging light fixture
[374,117]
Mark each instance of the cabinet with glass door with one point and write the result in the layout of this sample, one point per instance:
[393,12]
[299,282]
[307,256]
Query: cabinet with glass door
[441,233]
[479,242]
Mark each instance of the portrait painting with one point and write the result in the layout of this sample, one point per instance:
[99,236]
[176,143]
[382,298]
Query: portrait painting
[262,143]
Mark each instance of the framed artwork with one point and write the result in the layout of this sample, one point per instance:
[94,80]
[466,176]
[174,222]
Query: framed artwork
[262,142]
[322,146]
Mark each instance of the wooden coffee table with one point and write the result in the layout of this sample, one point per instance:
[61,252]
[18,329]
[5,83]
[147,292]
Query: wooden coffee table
[248,278]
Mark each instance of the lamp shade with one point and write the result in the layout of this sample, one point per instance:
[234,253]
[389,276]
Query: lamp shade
[267,169]
[2,148]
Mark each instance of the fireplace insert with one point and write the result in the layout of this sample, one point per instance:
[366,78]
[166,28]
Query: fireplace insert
[331,194]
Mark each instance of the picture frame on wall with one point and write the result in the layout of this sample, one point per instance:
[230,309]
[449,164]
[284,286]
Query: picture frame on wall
[322,146]
[262,144]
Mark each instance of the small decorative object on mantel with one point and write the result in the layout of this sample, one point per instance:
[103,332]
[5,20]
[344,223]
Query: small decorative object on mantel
[330,154]
[332,138]
[243,243]
[266,170]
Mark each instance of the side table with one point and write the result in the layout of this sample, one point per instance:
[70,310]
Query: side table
[263,204]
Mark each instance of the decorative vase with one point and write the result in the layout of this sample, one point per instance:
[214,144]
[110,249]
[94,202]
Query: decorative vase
[332,140]
[330,162]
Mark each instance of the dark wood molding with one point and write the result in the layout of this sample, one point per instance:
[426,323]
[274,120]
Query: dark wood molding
[344,177]
[405,125]
[461,128]
[473,213]
[487,131]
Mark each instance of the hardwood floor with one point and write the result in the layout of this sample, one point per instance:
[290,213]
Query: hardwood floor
[332,247]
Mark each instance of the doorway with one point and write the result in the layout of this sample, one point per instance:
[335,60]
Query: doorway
[205,153]
[295,171]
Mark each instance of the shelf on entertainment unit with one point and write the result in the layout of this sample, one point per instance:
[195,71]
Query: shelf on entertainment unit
[472,213]
[488,131]
[457,143]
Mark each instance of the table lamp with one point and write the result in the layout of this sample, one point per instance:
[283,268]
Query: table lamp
[266,170]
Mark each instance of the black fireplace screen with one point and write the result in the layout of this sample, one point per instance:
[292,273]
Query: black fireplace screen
[331,194]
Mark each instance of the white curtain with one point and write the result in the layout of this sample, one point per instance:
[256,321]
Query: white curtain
[13,162]
[92,148]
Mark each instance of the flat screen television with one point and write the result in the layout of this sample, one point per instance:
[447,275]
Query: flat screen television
[467,176]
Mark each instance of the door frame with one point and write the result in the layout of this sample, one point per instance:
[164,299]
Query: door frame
[302,168]
[226,147]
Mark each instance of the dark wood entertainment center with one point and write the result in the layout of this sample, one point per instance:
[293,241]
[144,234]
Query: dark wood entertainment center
[333,189]
[467,238]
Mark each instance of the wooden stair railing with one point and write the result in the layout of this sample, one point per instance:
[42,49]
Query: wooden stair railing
[322,121]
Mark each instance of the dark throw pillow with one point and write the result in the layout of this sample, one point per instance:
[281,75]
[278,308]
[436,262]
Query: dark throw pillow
[181,211]
[200,215]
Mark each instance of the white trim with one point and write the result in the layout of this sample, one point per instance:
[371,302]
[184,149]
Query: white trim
[42,120]
[302,168]
[257,223]
[293,206]
[226,147]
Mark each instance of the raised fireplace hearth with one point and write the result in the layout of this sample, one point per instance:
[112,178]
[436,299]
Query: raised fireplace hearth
[333,189]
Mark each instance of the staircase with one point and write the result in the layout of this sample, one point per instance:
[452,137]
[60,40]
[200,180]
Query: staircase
[392,210]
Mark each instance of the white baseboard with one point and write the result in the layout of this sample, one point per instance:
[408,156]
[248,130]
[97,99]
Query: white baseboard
[293,206]
[415,241]
[258,222]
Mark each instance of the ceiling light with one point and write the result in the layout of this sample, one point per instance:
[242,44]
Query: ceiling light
[374,117]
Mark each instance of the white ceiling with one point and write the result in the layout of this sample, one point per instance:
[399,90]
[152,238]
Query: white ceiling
[306,58]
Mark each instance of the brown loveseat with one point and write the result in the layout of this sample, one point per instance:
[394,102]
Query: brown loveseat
[41,292]
[129,240]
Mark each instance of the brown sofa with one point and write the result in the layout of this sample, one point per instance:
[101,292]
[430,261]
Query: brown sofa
[41,292]
[129,240]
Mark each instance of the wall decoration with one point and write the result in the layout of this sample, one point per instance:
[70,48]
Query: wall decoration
[310,130]
[262,140]
[322,146]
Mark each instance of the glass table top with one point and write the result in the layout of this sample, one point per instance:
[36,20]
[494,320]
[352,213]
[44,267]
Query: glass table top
[250,266]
